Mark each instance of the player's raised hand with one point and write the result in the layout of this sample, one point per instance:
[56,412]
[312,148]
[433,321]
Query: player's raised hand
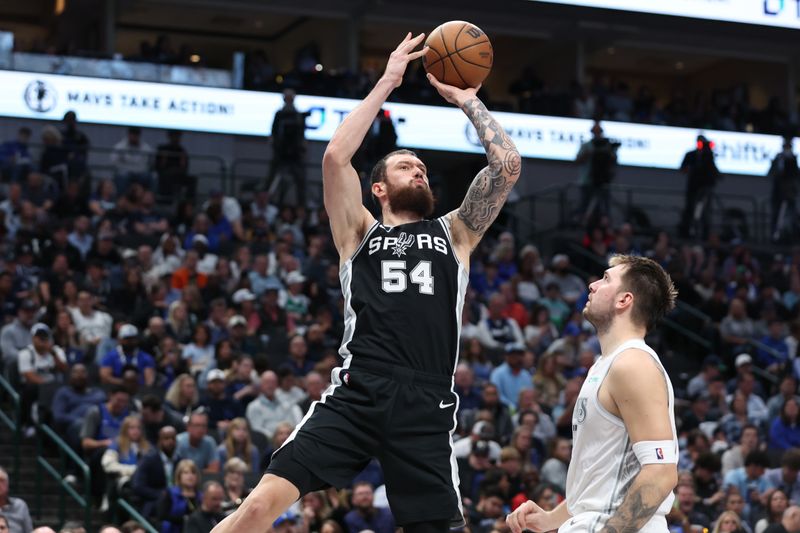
[452,94]
[528,516]
[402,55]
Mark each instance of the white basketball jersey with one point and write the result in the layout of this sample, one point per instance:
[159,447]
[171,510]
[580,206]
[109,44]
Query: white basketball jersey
[603,464]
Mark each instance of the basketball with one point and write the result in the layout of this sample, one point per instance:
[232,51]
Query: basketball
[459,54]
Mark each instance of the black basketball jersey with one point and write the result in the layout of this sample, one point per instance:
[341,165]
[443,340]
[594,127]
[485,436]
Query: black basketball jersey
[404,289]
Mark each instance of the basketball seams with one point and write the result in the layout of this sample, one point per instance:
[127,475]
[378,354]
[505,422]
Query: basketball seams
[458,53]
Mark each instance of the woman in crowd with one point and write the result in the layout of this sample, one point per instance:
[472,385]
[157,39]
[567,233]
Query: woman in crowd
[548,380]
[180,500]
[776,505]
[315,510]
[238,443]
[234,484]
[200,352]
[179,323]
[182,396]
[541,332]
[785,432]
[728,522]
[120,459]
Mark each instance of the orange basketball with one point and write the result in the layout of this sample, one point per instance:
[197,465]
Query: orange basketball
[459,54]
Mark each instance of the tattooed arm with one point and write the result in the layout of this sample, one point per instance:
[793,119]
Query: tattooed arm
[636,391]
[490,188]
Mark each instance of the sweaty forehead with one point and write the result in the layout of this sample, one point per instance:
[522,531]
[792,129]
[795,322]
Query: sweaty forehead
[397,160]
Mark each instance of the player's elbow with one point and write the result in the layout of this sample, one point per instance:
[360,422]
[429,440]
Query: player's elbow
[663,476]
[334,157]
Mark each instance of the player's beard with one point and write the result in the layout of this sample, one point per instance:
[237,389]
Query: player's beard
[600,318]
[413,199]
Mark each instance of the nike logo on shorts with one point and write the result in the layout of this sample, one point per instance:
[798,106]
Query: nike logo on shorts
[443,405]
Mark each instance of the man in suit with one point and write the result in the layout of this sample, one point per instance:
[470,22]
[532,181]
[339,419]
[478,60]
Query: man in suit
[155,470]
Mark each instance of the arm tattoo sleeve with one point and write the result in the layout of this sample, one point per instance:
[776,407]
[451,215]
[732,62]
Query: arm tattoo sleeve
[639,506]
[491,186]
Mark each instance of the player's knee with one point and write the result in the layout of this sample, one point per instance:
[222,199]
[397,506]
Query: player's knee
[431,526]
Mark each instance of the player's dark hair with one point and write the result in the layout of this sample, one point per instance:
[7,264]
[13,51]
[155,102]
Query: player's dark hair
[653,290]
[757,458]
[379,170]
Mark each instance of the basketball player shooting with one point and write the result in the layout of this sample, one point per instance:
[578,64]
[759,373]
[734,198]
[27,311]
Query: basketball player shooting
[404,280]
[625,448]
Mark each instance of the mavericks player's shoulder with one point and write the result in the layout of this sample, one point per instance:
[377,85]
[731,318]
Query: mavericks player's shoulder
[636,367]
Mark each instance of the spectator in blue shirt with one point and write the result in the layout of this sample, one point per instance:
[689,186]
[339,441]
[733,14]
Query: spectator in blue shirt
[15,157]
[774,339]
[365,515]
[195,444]
[750,482]
[71,403]
[510,377]
[125,355]
[784,433]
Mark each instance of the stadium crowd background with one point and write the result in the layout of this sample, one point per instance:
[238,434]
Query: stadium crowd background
[176,344]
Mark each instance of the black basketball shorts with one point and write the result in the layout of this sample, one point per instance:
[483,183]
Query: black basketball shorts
[401,417]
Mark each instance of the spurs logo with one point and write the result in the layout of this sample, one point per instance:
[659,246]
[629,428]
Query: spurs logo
[403,242]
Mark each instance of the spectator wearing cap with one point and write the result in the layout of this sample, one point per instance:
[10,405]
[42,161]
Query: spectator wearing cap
[472,469]
[219,404]
[126,354]
[717,399]
[495,331]
[132,159]
[197,445]
[481,431]
[237,335]
[72,401]
[260,278]
[17,335]
[364,515]
[293,300]
[697,414]
[267,411]
[287,522]
[38,363]
[188,273]
[244,302]
[510,377]
[709,370]
[209,514]
[207,261]
[93,326]
[744,366]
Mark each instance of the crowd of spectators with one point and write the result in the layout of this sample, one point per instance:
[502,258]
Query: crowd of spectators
[175,350]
